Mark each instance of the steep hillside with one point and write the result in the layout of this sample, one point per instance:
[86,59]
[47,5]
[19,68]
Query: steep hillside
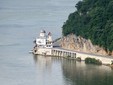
[93,20]
[77,43]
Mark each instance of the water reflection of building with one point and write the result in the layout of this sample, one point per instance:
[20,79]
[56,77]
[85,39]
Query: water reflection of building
[77,73]
[43,62]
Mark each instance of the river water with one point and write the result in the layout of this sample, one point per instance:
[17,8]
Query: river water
[20,23]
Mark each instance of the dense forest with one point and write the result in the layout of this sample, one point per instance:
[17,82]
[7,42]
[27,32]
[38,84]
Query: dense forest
[92,20]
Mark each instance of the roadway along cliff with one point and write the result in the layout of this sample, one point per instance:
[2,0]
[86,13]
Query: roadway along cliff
[77,43]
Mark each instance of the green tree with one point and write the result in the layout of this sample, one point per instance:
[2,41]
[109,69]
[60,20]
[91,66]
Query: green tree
[92,20]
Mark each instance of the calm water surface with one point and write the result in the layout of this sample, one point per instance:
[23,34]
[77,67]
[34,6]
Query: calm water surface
[20,22]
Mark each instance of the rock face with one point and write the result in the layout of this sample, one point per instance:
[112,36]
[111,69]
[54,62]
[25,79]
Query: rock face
[77,43]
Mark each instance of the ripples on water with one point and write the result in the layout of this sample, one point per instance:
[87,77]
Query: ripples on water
[20,23]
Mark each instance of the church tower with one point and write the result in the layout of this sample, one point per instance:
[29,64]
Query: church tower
[41,40]
[49,37]
[49,41]
[42,33]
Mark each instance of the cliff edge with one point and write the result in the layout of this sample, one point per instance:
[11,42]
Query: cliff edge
[78,43]
[92,19]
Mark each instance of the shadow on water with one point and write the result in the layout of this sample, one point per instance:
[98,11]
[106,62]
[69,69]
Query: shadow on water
[78,73]
[71,72]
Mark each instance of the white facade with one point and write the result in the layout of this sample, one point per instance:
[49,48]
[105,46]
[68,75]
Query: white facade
[44,51]
[42,33]
[41,42]
[44,40]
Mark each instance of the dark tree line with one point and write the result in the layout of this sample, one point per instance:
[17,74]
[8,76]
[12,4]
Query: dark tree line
[92,20]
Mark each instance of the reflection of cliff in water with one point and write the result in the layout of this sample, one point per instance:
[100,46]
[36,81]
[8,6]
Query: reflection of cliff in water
[77,73]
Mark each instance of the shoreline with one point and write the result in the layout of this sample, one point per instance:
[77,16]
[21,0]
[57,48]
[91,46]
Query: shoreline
[78,60]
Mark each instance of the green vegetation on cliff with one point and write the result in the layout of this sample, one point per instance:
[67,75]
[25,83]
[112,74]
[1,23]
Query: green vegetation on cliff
[92,20]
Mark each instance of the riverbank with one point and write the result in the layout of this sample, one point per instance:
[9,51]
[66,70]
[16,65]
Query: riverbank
[106,60]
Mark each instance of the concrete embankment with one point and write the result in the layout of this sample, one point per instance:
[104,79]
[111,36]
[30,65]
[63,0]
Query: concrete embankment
[83,55]
[104,59]
[84,48]
[57,50]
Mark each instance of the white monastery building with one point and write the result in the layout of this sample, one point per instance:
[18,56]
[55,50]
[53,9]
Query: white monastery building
[44,46]
[44,41]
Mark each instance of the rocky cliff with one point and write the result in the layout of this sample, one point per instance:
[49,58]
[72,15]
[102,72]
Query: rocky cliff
[77,43]
[92,20]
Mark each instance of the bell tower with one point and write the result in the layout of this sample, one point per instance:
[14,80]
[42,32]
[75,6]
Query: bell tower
[43,33]
[49,37]
[41,40]
[49,41]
